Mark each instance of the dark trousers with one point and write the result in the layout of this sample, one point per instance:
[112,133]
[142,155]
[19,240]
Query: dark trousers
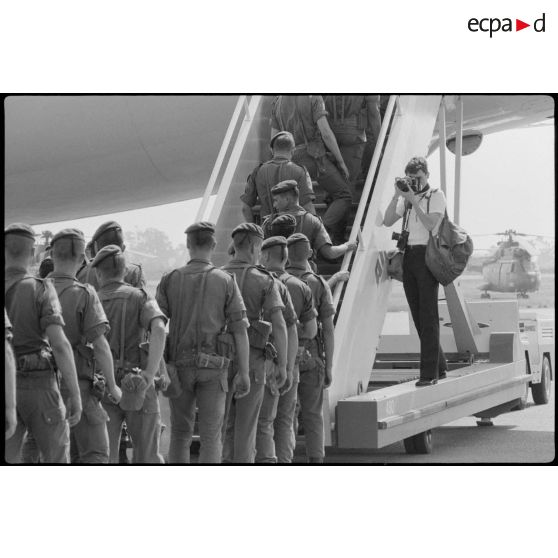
[421,290]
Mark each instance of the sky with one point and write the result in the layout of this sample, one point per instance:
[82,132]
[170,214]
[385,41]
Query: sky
[508,183]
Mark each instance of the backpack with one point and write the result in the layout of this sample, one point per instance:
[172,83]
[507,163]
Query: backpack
[448,252]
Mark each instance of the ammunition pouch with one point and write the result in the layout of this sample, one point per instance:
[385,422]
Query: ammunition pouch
[120,373]
[226,345]
[39,360]
[84,357]
[258,333]
[307,361]
[271,352]
[211,361]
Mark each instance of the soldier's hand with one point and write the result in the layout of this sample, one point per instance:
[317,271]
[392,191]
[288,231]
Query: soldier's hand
[241,385]
[344,170]
[74,410]
[352,246]
[115,394]
[342,276]
[280,376]
[288,383]
[328,378]
[165,381]
[11,422]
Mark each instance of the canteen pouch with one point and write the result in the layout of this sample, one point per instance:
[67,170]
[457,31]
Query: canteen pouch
[258,333]
[174,389]
[304,359]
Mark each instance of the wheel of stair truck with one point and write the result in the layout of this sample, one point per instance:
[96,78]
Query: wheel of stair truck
[419,443]
[541,391]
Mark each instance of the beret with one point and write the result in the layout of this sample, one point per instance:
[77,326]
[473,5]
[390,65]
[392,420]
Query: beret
[286,219]
[104,228]
[20,229]
[105,252]
[74,234]
[201,226]
[284,186]
[297,237]
[283,133]
[248,228]
[274,241]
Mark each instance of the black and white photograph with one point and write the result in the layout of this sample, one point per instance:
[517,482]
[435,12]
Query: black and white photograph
[322,279]
[279,278]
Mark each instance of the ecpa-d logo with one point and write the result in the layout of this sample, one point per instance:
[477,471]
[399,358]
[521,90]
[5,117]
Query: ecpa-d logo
[495,24]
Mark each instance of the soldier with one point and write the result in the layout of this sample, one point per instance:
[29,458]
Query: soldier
[110,233]
[305,117]
[261,297]
[9,379]
[38,335]
[355,121]
[285,199]
[276,441]
[265,446]
[207,324]
[131,314]
[315,361]
[86,326]
[268,174]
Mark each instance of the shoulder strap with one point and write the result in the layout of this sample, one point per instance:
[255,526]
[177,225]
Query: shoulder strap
[123,333]
[243,277]
[301,122]
[10,286]
[199,306]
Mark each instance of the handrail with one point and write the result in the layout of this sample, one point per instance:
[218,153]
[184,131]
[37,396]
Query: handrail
[236,152]
[242,103]
[355,231]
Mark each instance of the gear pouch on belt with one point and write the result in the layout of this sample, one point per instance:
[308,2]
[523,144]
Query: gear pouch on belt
[225,345]
[258,333]
[174,389]
[305,360]
[98,386]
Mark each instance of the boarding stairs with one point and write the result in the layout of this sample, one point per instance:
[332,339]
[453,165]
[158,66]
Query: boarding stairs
[372,388]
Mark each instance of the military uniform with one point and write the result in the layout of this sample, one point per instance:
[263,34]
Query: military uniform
[206,324]
[85,321]
[270,173]
[265,445]
[348,119]
[306,223]
[134,273]
[130,312]
[261,296]
[311,385]
[299,114]
[32,305]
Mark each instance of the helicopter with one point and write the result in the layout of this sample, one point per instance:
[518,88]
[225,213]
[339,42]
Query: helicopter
[511,268]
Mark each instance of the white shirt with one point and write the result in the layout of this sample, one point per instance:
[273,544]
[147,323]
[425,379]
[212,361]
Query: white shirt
[418,234]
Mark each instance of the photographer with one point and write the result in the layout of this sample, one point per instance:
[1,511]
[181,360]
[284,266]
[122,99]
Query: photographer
[425,208]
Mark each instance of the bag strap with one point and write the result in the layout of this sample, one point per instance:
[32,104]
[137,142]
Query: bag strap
[199,307]
[123,333]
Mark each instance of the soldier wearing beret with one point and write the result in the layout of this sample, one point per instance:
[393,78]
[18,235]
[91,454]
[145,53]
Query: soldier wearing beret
[261,297]
[285,198]
[305,117]
[270,173]
[207,318]
[109,233]
[275,441]
[133,317]
[315,362]
[10,381]
[38,335]
[85,326]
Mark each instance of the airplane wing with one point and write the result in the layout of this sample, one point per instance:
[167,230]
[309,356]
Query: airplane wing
[69,156]
[78,156]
